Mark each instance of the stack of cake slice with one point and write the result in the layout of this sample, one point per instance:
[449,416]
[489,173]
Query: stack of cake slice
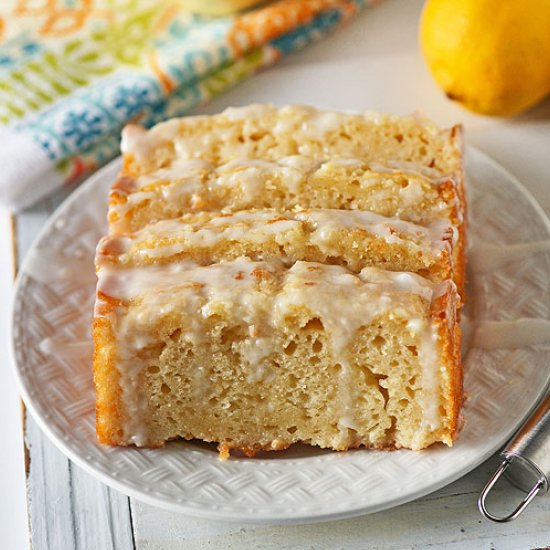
[274,276]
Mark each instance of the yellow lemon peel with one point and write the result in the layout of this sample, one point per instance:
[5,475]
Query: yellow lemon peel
[492,57]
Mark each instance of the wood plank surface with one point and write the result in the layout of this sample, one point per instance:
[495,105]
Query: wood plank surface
[446,519]
[68,509]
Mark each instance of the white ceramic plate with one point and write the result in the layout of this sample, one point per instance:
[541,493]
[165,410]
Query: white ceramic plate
[52,351]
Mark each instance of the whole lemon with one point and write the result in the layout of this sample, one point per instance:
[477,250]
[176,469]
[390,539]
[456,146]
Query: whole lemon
[492,56]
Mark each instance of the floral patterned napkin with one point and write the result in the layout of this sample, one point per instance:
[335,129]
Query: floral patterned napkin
[73,72]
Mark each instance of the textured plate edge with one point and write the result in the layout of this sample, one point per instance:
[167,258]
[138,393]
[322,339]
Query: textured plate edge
[239,516]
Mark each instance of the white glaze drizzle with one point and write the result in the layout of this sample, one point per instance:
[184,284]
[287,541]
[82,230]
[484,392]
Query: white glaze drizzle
[413,168]
[320,226]
[132,134]
[141,142]
[467,330]
[341,316]
[49,266]
[302,122]
[62,347]
[190,182]
[312,124]
[236,288]
[510,334]
[241,163]
[179,169]
[514,334]
[438,235]
[303,165]
[235,227]
[429,357]
[487,257]
[249,112]
[129,284]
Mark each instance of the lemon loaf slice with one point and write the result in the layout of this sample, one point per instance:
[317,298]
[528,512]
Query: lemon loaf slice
[259,355]
[270,133]
[294,154]
[294,181]
[355,239]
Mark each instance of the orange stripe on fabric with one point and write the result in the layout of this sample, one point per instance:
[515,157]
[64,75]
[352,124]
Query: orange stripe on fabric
[61,22]
[24,7]
[259,26]
[164,79]
[166,17]
[79,168]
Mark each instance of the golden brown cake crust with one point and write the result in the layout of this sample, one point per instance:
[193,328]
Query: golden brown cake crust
[445,310]
[106,378]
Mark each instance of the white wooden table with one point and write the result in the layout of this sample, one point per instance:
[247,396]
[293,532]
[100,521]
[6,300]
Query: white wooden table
[376,65]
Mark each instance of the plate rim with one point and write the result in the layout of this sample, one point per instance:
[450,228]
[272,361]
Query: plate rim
[236,516]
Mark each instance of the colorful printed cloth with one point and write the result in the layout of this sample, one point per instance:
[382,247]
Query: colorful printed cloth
[73,72]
